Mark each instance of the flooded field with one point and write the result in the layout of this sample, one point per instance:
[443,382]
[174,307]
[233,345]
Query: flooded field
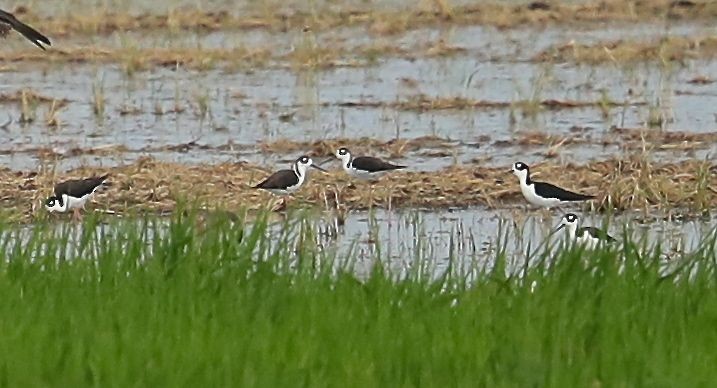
[184,273]
[438,96]
[461,243]
[486,97]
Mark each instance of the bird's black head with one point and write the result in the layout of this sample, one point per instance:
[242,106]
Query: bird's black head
[344,154]
[54,204]
[569,221]
[522,171]
[570,217]
[50,202]
[520,166]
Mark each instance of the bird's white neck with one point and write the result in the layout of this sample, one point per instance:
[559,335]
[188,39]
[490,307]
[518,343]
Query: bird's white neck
[346,161]
[524,178]
[524,183]
[65,204]
[525,188]
[572,229]
[300,171]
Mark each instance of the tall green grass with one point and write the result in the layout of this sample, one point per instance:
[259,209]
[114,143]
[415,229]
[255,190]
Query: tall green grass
[155,303]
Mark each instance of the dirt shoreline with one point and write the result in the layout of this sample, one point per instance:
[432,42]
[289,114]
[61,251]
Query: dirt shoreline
[157,187]
[378,21]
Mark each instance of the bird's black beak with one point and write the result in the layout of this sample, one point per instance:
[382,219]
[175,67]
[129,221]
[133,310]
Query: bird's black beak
[510,171]
[327,160]
[558,228]
[318,168]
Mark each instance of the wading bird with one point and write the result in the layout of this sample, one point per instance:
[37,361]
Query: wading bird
[73,194]
[587,236]
[286,182]
[364,167]
[9,22]
[543,194]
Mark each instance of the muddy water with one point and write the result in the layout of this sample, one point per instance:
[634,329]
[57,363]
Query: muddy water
[465,240]
[246,107]
[470,239]
[265,105]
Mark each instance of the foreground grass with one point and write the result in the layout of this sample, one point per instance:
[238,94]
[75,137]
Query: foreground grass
[221,304]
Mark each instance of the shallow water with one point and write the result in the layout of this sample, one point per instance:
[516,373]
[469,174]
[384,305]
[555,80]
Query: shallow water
[471,238]
[250,106]
[269,104]
[466,241]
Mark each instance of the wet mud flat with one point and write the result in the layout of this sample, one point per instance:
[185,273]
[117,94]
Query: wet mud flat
[688,188]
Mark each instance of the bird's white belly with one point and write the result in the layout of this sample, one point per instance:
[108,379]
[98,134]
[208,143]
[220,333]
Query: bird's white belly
[587,241]
[364,175]
[534,199]
[286,191]
[73,203]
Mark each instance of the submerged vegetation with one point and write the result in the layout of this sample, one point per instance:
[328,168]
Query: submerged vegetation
[227,303]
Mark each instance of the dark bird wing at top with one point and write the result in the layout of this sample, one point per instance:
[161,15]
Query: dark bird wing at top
[367,163]
[8,20]
[596,233]
[551,191]
[279,180]
[79,187]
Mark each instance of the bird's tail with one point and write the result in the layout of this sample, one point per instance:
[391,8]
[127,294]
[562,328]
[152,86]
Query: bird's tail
[103,178]
[581,197]
[28,32]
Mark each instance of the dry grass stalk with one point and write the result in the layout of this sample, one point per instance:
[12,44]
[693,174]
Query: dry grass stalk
[149,185]
[424,103]
[383,21]
[670,49]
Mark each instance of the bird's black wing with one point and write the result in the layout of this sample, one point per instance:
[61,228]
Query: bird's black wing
[79,187]
[371,164]
[551,191]
[279,180]
[596,233]
[28,32]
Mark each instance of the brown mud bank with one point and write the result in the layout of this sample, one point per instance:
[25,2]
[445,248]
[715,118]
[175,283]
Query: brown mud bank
[378,20]
[688,187]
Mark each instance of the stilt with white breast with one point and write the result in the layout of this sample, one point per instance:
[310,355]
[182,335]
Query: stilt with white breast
[286,182]
[364,167]
[587,236]
[8,21]
[73,194]
[544,194]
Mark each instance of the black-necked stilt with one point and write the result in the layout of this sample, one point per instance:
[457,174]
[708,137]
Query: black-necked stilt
[73,194]
[8,21]
[587,236]
[543,194]
[364,167]
[285,182]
